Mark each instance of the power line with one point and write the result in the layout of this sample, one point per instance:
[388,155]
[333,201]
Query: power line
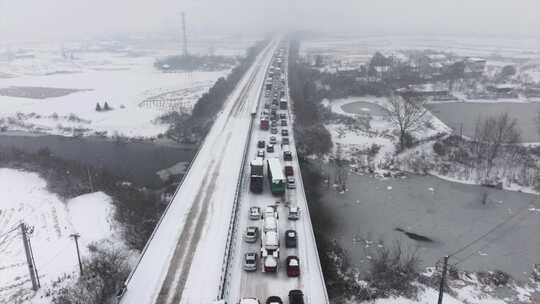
[443,275]
[487,233]
[11,230]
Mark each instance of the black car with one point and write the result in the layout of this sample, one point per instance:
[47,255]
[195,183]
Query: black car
[261,144]
[283,116]
[274,300]
[283,123]
[296,296]
[290,239]
[270,148]
[287,155]
[284,132]
[285,141]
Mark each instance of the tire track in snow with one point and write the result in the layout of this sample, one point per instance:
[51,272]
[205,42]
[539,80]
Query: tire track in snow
[173,286]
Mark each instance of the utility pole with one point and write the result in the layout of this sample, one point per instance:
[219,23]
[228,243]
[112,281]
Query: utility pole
[29,258]
[443,277]
[184,35]
[76,237]
[90,179]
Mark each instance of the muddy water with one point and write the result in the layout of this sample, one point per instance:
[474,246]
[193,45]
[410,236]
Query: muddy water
[461,114]
[137,162]
[436,217]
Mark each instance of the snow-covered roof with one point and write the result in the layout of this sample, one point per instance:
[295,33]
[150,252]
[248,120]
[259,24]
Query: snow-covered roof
[275,167]
[258,161]
[270,261]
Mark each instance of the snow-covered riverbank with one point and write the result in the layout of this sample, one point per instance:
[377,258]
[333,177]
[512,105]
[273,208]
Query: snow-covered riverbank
[25,198]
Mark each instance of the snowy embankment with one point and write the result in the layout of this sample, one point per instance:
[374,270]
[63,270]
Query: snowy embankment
[53,95]
[472,288]
[373,145]
[25,198]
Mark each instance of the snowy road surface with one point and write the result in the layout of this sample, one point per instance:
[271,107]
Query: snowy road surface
[183,260]
[259,284]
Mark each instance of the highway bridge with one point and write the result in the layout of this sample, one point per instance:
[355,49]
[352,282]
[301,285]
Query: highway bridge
[196,253]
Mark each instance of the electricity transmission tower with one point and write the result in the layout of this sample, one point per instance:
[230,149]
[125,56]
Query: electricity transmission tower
[184,35]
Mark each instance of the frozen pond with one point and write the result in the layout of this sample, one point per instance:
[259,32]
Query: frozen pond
[456,113]
[450,214]
[364,107]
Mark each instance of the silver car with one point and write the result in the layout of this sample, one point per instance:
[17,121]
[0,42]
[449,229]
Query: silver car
[254,213]
[294,213]
[291,182]
[250,261]
[252,234]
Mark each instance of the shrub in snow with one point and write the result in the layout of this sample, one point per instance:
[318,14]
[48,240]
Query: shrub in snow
[536,273]
[439,148]
[494,278]
[104,272]
[393,272]
[373,150]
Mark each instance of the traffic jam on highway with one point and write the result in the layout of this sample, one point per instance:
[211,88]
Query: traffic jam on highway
[272,164]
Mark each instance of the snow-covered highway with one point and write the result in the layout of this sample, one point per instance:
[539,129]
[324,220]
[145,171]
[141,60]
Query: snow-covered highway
[183,261]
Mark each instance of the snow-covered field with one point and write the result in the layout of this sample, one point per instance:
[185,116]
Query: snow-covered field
[128,82]
[353,49]
[25,198]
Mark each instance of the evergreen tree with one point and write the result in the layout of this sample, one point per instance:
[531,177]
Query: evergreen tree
[98,107]
[106,107]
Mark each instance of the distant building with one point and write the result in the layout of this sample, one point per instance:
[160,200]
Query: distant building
[432,91]
[474,67]
[503,90]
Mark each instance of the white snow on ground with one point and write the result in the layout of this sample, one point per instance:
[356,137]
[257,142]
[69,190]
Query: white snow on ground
[428,295]
[354,141]
[136,91]
[25,198]
[468,290]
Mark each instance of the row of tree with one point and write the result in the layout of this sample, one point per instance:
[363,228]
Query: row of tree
[105,107]
[312,137]
[185,127]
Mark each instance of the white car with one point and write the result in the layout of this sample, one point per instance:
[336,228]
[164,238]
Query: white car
[273,140]
[260,153]
[291,182]
[254,213]
[294,213]
[249,301]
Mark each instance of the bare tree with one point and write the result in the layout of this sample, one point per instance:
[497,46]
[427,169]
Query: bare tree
[340,169]
[492,135]
[406,114]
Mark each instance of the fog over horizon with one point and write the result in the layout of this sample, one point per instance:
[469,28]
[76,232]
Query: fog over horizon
[42,20]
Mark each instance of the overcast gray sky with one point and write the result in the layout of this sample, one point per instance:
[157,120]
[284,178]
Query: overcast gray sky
[29,20]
